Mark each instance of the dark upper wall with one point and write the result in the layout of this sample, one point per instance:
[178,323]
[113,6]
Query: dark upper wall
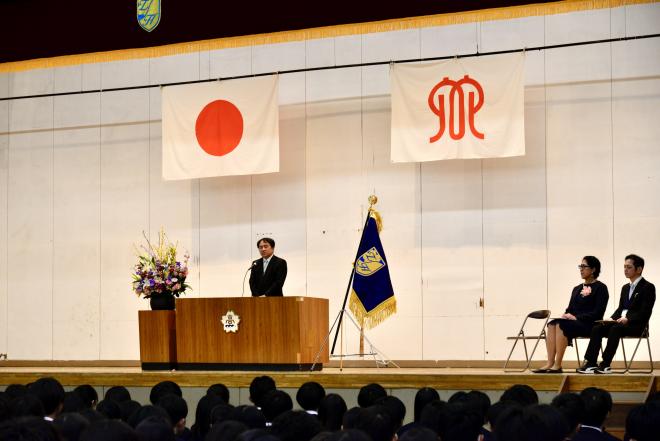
[47,28]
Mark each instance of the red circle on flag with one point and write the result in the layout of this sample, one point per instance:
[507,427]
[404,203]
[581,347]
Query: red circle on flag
[219,127]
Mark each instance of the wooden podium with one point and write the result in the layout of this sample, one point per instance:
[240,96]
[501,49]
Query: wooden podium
[157,339]
[274,333]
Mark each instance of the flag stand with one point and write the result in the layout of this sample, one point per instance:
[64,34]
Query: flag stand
[379,358]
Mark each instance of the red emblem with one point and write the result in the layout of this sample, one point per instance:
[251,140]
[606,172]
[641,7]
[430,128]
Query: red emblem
[456,103]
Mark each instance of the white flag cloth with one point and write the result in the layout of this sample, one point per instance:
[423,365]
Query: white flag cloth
[221,128]
[458,109]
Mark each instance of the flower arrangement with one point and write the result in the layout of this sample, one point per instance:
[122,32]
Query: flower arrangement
[157,271]
[586,290]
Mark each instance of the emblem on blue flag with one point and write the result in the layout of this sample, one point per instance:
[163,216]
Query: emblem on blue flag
[370,262]
[372,296]
[148,14]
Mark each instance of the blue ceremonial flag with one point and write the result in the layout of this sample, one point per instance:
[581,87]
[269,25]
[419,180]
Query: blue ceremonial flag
[372,296]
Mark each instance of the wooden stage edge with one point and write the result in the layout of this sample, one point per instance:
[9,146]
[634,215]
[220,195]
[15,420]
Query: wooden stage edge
[445,376]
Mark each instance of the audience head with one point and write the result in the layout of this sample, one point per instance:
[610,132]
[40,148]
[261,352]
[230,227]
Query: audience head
[480,402]
[572,407]
[423,397]
[532,423]
[128,408]
[155,429]
[260,387]
[164,388]
[643,422]
[177,410]
[597,405]
[110,409]
[370,393]
[350,418]
[220,390]
[459,423]
[594,264]
[222,412]
[395,408]
[51,394]
[431,416]
[275,403]
[331,411]
[497,409]
[376,422]
[73,402]
[148,411]
[309,395]
[521,394]
[109,430]
[295,425]
[203,415]
[457,396]
[251,416]
[71,425]
[473,401]
[26,405]
[118,394]
[88,394]
[16,390]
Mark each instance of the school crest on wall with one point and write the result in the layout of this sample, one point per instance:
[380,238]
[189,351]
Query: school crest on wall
[148,14]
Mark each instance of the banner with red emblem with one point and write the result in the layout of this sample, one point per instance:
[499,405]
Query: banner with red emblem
[458,109]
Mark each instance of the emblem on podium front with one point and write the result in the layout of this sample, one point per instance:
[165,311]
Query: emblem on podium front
[230,321]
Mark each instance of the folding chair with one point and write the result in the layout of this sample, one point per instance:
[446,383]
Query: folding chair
[539,315]
[643,335]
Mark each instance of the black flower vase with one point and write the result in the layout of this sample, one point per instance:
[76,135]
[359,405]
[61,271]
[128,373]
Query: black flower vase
[162,302]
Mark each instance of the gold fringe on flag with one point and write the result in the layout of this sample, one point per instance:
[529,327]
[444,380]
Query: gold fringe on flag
[375,316]
[398,24]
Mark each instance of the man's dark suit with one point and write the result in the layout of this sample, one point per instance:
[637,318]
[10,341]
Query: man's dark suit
[639,313]
[268,284]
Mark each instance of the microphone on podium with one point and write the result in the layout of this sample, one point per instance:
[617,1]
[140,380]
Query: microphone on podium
[245,275]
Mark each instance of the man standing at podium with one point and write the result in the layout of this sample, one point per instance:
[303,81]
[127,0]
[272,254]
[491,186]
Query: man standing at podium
[269,272]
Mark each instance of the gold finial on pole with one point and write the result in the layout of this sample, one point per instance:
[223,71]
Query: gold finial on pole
[373,199]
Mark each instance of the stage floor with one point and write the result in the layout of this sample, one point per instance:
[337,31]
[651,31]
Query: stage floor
[333,377]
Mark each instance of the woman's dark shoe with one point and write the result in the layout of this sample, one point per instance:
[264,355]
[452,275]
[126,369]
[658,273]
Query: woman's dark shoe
[555,371]
[541,371]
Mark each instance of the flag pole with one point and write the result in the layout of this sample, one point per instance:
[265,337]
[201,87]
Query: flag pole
[372,201]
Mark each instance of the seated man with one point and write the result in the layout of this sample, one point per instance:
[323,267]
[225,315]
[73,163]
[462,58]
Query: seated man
[269,272]
[629,319]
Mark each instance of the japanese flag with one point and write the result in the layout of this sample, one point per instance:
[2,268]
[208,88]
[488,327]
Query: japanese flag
[221,128]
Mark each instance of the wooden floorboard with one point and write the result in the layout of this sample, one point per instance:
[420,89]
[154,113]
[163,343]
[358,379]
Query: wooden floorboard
[348,378]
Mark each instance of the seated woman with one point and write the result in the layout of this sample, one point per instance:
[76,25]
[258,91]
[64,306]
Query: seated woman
[588,303]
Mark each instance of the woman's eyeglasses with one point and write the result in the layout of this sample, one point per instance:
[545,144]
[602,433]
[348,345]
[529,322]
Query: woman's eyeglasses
[583,266]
